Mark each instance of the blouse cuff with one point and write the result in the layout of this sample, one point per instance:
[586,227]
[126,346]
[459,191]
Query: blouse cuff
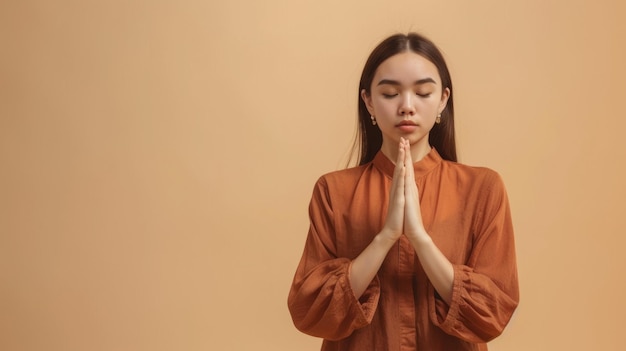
[368,301]
[443,315]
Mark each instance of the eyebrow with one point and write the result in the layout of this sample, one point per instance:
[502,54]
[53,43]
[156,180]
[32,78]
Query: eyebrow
[417,82]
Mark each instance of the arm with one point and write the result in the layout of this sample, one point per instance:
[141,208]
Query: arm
[438,268]
[480,296]
[321,300]
[330,296]
[367,264]
[485,290]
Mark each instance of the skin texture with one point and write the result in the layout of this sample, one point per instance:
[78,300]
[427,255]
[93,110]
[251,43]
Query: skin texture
[406,90]
[406,87]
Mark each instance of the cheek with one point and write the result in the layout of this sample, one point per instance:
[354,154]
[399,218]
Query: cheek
[377,109]
[432,106]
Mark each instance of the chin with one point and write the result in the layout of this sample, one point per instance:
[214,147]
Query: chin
[417,139]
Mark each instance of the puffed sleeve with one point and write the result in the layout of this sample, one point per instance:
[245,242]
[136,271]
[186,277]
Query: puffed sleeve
[321,300]
[485,290]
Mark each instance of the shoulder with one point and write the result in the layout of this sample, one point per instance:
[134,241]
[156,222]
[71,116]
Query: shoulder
[484,178]
[343,177]
[473,172]
[342,183]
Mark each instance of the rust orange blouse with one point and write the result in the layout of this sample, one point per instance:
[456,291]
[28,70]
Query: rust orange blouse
[466,212]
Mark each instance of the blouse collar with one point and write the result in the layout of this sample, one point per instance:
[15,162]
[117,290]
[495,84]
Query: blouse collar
[421,167]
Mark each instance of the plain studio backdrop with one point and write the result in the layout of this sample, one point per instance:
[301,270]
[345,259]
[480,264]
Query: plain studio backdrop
[157,160]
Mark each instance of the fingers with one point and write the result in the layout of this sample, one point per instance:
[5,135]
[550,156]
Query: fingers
[408,162]
[401,152]
[395,214]
[397,184]
[412,215]
[410,190]
[399,170]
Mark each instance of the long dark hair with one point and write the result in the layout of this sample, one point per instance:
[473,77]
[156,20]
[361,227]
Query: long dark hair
[369,138]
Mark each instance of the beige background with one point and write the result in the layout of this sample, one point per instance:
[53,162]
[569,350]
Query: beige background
[158,157]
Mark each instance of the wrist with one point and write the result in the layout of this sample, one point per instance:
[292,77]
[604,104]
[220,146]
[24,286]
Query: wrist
[386,238]
[419,237]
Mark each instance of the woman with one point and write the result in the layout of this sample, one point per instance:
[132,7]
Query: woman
[410,250]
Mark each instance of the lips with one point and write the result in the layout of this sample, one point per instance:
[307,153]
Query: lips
[406,123]
[407,126]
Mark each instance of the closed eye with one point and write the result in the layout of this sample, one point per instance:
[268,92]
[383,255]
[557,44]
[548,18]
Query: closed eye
[389,96]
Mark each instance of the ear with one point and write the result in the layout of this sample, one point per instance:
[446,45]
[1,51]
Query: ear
[444,99]
[367,99]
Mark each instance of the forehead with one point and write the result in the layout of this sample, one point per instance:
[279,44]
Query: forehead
[406,67]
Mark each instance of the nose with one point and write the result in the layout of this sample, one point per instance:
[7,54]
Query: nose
[407,108]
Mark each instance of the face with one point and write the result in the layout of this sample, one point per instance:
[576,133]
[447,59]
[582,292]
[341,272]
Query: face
[405,97]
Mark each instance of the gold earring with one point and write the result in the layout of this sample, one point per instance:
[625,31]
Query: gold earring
[373,120]
[438,119]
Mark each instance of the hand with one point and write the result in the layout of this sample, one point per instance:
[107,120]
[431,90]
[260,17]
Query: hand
[413,224]
[394,224]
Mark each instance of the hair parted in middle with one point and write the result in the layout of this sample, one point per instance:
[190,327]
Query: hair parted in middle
[369,138]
